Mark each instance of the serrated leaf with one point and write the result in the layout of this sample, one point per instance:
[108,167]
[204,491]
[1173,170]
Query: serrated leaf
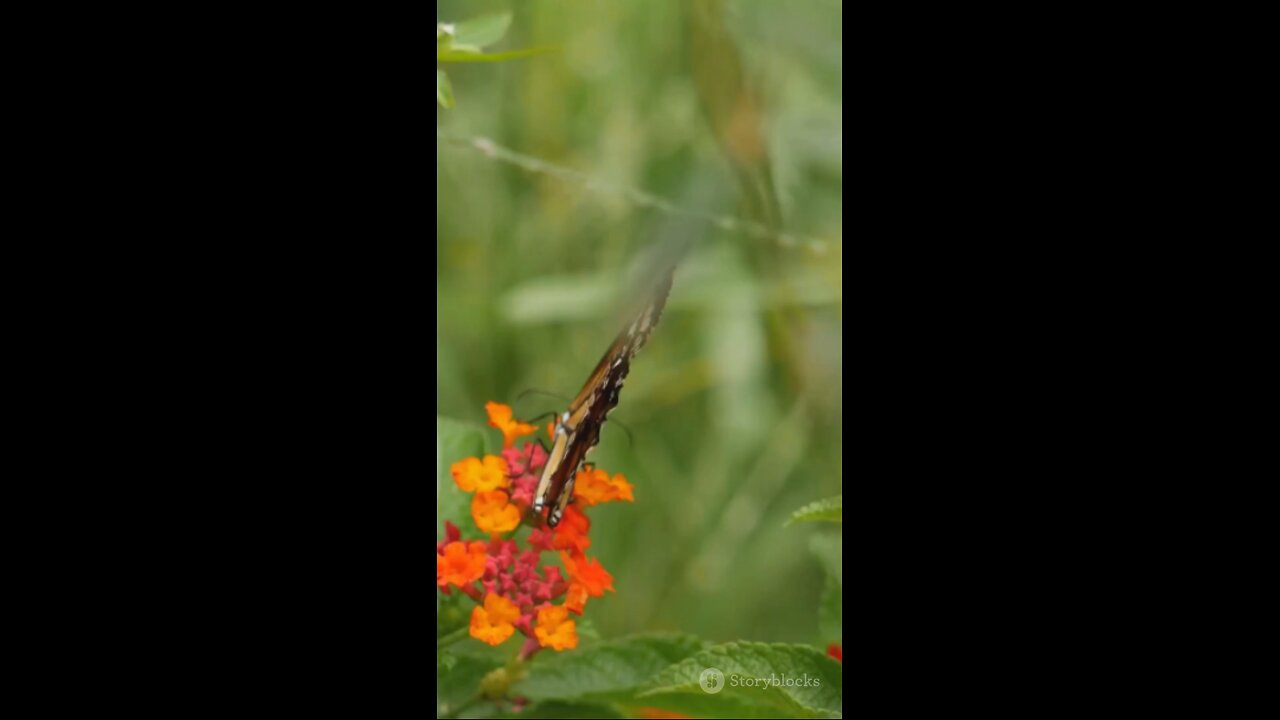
[816,689]
[831,612]
[481,31]
[444,91]
[828,510]
[568,710]
[829,549]
[704,705]
[454,441]
[613,669]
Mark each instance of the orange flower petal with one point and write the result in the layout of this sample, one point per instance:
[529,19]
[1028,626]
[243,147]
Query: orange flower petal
[474,474]
[464,473]
[589,572]
[576,599]
[494,622]
[594,486]
[494,512]
[500,417]
[555,630]
[460,563]
[571,533]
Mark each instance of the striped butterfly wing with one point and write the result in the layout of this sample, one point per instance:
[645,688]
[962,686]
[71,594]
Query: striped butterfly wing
[578,429]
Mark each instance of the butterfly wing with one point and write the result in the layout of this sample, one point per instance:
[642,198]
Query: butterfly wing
[578,429]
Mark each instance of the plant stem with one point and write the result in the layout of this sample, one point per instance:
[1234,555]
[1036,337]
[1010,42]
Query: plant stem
[452,637]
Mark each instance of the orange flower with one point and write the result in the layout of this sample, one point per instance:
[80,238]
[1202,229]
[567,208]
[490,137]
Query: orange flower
[473,474]
[500,417]
[551,431]
[494,513]
[589,572]
[460,564]
[571,533]
[576,599]
[593,487]
[493,623]
[555,630]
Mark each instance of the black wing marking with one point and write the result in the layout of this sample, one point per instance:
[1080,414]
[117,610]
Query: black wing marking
[578,430]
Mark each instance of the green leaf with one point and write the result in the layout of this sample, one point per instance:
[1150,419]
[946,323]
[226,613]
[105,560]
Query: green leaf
[444,91]
[452,612]
[559,298]
[829,548]
[828,510]
[481,31]
[485,709]
[612,669]
[445,662]
[454,441]
[460,682]
[831,612]
[704,705]
[568,711]
[817,692]
[587,632]
[468,54]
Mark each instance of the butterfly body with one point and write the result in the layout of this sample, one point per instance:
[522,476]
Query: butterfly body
[577,430]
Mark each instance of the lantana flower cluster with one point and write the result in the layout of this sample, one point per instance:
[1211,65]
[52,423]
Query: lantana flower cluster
[512,587]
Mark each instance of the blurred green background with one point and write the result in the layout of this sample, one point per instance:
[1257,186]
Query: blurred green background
[727,109]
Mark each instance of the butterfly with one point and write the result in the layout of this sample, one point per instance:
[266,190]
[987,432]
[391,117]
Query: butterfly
[577,430]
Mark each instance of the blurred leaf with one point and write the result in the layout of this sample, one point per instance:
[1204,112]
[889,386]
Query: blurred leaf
[586,631]
[569,711]
[455,441]
[464,54]
[829,547]
[831,611]
[822,697]
[444,661]
[828,510]
[481,31]
[556,298]
[460,682]
[444,91]
[612,669]
[734,108]
[486,709]
[451,614]
[444,35]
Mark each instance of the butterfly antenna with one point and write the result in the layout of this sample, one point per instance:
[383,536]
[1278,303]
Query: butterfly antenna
[631,439]
[537,419]
[535,391]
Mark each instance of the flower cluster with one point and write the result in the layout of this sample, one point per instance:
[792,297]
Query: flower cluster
[512,588]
